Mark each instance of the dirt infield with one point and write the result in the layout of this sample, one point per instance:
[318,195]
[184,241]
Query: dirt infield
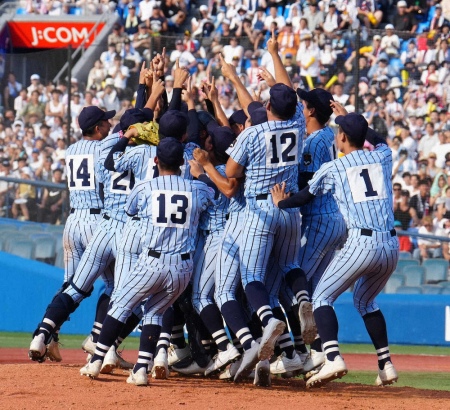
[25,385]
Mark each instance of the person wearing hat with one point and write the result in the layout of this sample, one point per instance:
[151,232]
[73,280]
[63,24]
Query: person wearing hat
[390,42]
[404,20]
[308,59]
[313,15]
[288,40]
[35,85]
[360,182]
[118,36]
[322,224]
[131,21]
[261,161]
[169,251]
[174,14]
[142,40]
[186,58]
[107,57]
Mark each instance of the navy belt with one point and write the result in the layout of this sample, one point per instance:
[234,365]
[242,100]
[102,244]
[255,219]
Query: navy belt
[369,232]
[106,217]
[136,218]
[227,216]
[262,197]
[154,254]
[92,211]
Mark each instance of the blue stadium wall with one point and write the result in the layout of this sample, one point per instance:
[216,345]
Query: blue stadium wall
[28,286]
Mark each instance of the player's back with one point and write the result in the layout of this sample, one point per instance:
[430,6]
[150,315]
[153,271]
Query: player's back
[170,208]
[272,151]
[140,160]
[215,216]
[319,148]
[363,188]
[82,159]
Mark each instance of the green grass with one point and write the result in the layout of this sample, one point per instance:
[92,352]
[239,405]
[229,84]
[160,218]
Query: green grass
[132,343]
[417,380]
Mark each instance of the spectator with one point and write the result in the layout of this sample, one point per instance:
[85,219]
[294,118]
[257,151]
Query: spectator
[54,107]
[109,97]
[292,69]
[308,60]
[332,20]
[142,41]
[438,20]
[186,58]
[145,9]
[404,20]
[117,37]
[157,22]
[107,57]
[313,15]
[428,248]
[390,43]
[421,201]
[404,241]
[428,141]
[6,190]
[33,107]
[35,84]
[273,16]
[131,21]
[396,190]
[233,50]
[96,76]
[119,73]
[11,91]
[21,101]
[25,198]
[288,41]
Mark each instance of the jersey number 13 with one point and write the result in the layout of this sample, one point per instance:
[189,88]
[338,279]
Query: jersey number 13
[171,209]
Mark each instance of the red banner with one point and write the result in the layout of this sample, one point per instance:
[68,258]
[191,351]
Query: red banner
[49,34]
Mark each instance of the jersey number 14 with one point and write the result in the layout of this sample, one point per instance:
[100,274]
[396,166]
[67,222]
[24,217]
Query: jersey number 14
[80,172]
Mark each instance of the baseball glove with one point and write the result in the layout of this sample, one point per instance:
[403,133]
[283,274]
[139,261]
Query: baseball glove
[148,133]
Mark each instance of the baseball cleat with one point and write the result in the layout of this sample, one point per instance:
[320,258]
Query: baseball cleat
[53,353]
[88,345]
[248,363]
[230,371]
[160,365]
[262,374]
[91,370]
[331,370]
[307,322]
[271,333]
[314,360]
[176,354]
[387,376]
[284,365]
[114,360]
[38,349]
[192,369]
[221,359]
[140,378]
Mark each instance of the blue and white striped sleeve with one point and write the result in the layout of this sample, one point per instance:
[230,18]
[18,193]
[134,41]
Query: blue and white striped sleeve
[323,180]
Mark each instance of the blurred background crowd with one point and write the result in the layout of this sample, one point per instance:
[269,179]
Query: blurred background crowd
[387,59]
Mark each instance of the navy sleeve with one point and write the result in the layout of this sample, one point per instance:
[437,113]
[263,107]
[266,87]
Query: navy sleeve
[175,102]
[297,200]
[204,178]
[141,97]
[193,129]
[120,146]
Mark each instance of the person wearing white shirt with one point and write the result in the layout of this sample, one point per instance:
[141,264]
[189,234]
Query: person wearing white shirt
[233,50]
[119,73]
[308,58]
[186,58]
[428,141]
[273,16]
[390,43]
[145,9]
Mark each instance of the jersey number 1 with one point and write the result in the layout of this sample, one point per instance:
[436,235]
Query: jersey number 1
[369,188]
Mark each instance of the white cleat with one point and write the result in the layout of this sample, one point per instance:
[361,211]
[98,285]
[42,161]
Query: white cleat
[53,352]
[313,360]
[88,345]
[248,362]
[284,365]
[38,349]
[176,354]
[230,371]
[387,376]
[140,378]
[307,322]
[160,365]
[262,374]
[91,370]
[271,333]
[114,360]
[221,359]
[329,371]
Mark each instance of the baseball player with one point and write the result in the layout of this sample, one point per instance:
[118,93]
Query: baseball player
[211,228]
[361,184]
[99,253]
[323,227]
[86,202]
[170,207]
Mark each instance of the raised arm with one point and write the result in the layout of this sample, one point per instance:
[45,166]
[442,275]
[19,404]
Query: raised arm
[281,75]
[212,95]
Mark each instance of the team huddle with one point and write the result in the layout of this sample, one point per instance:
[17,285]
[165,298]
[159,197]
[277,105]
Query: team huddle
[227,227]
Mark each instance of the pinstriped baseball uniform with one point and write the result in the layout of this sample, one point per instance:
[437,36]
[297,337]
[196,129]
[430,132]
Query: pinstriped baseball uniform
[323,227]
[212,224]
[141,161]
[82,159]
[170,207]
[361,185]
[270,153]
[188,155]
[102,249]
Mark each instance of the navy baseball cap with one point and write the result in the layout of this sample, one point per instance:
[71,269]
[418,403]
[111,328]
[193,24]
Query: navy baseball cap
[258,112]
[173,124]
[283,100]
[204,117]
[354,125]
[222,137]
[319,99]
[134,116]
[89,116]
[238,117]
[170,151]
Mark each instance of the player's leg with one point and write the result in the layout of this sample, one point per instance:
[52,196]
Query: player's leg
[203,301]
[162,295]
[366,289]
[160,368]
[227,283]
[261,220]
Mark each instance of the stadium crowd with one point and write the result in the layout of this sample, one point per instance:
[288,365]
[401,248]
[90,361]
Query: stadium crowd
[403,88]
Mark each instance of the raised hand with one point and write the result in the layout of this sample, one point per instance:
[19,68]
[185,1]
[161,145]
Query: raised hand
[272,44]
[338,108]
[180,75]
[201,156]
[195,168]
[228,70]
[264,75]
